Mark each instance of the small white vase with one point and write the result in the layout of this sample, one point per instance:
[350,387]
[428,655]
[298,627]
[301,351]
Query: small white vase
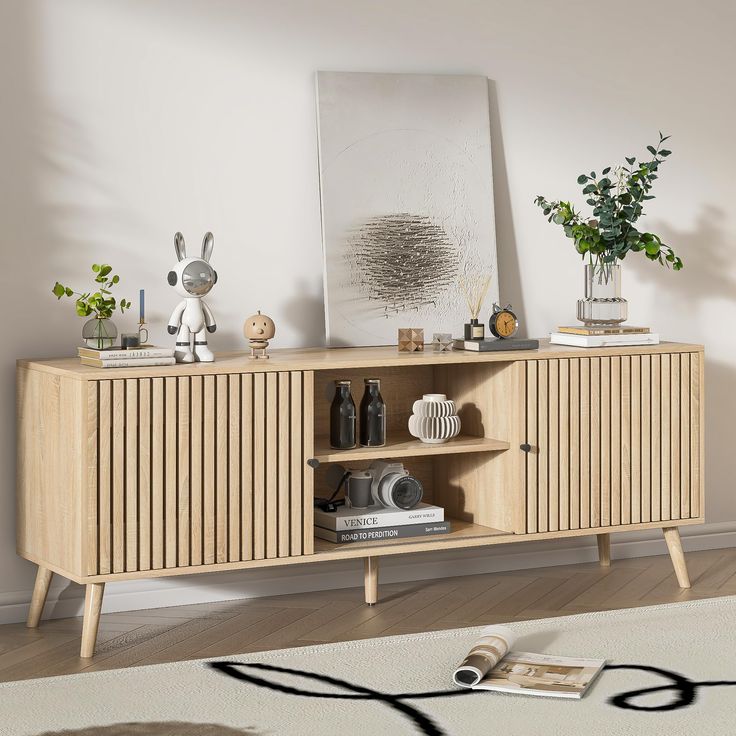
[434,420]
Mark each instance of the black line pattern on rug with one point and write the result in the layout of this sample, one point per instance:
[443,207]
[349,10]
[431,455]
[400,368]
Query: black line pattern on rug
[684,689]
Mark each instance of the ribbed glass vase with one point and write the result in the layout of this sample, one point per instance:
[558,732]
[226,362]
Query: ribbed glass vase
[603,304]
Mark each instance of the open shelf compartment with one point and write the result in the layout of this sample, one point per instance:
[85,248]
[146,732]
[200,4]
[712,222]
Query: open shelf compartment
[475,477]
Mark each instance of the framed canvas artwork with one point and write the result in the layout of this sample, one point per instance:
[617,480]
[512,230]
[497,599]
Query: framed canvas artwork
[406,191]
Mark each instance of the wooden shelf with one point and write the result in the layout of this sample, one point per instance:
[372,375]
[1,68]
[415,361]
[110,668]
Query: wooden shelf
[407,446]
[463,534]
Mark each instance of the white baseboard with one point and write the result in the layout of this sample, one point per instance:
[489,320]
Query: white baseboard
[66,599]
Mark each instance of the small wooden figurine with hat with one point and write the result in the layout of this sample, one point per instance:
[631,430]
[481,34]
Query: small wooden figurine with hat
[258,330]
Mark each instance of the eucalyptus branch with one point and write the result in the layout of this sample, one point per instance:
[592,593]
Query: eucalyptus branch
[610,234]
[100,302]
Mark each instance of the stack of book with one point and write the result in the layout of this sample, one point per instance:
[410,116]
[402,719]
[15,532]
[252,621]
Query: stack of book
[602,336]
[127,358]
[377,524]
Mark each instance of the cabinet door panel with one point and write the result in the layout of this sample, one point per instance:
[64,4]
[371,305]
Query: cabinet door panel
[614,440]
[200,470]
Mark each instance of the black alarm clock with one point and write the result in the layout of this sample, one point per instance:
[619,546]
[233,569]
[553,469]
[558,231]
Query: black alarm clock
[504,322]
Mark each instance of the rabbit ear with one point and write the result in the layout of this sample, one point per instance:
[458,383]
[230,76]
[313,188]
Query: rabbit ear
[207,245]
[179,247]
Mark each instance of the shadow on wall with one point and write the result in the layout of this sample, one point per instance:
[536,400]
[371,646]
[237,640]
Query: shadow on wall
[509,274]
[706,252]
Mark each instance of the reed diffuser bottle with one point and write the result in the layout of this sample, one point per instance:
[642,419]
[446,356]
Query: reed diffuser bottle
[475,288]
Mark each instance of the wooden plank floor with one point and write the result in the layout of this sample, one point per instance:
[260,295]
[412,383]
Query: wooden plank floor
[234,627]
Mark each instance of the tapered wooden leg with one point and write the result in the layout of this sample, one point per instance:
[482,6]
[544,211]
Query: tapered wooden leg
[604,549]
[92,608]
[674,545]
[370,571]
[40,591]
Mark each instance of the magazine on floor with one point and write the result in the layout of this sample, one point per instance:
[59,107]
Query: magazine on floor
[491,665]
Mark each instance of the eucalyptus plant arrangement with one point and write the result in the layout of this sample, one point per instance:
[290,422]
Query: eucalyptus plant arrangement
[98,303]
[617,198]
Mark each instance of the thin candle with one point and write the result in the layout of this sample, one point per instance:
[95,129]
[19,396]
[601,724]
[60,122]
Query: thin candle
[142,306]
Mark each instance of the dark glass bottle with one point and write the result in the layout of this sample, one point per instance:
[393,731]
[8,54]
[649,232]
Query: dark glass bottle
[342,418]
[372,415]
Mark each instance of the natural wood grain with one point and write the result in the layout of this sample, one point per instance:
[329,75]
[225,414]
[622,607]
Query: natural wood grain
[234,517]
[209,482]
[157,474]
[144,474]
[596,422]
[616,400]
[564,445]
[104,479]
[221,468]
[604,549]
[171,505]
[646,438]
[402,445]
[187,472]
[296,465]
[532,457]
[605,442]
[308,406]
[585,480]
[284,465]
[343,359]
[118,476]
[196,460]
[92,608]
[131,476]
[272,468]
[672,537]
[543,435]
[636,439]
[370,567]
[38,599]
[655,442]
[259,466]
[574,443]
[246,466]
[183,484]
[553,445]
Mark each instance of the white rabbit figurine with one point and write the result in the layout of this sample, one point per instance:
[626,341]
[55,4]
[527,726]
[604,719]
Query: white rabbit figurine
[192,278]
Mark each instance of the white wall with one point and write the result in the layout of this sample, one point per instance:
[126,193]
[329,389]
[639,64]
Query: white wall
[123,121]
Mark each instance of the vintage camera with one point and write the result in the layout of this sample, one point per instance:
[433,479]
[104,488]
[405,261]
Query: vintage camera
[381,484]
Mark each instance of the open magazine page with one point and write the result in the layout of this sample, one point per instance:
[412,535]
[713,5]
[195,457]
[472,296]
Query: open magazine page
[490,665]
[541,674]
[492,646]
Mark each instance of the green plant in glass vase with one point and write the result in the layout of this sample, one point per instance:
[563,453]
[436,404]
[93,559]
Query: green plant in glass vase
[617,199]
[99,332]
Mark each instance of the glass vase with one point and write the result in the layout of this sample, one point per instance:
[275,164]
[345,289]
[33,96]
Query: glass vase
[603,304]
[99,333]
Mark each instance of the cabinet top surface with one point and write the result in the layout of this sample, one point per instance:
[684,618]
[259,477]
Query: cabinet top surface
[340,358]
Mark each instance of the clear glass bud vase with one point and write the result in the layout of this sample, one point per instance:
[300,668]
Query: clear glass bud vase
[99,333]
[603,304]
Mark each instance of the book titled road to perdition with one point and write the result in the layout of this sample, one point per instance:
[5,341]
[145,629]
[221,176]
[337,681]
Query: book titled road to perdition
[383,533]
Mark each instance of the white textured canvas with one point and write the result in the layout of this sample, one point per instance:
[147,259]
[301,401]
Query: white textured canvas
[407,202]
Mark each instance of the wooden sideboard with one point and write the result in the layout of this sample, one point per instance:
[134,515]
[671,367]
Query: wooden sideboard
[137,473]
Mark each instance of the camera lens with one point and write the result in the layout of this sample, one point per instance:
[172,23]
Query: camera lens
[400,491]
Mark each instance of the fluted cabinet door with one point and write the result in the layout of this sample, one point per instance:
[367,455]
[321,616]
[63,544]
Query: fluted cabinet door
[614,441]
[200,470]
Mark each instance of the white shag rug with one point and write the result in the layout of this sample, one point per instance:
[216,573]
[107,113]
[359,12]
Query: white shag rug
[696,640]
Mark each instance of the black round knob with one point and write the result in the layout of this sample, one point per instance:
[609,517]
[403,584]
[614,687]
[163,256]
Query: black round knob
[526,447]
[313,462]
